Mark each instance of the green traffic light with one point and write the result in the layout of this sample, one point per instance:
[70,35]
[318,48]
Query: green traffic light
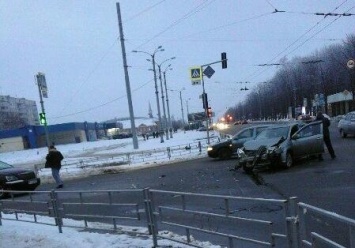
[42,118]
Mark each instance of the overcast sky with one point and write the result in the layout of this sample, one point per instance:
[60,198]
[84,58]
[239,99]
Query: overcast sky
[76,44]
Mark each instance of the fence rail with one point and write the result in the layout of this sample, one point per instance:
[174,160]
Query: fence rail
[135,157]
[189,214]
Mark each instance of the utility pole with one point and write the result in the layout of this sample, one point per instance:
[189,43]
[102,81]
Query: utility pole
[182,109]
[42,90]
[163,103]
[128,87]
[167,102]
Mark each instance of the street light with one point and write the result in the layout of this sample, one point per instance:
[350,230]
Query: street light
[182,108]
[162,96]
[158,49]
[167,99]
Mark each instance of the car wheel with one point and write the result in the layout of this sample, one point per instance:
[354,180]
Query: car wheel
[224,153]
[289,160]
[248,167]
[342,133]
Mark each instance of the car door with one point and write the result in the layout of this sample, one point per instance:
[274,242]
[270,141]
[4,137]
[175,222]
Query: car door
[308,140]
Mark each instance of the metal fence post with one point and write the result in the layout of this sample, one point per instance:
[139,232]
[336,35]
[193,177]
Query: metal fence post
[57,218]
[295,222]
[169,152]
[150,216]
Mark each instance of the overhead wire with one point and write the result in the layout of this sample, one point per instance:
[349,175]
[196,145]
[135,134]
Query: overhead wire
[103,104]
[257,73]
[102,59]
[195,10]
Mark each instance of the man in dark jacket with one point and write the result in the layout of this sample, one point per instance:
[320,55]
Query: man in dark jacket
[326,135]
[53,161]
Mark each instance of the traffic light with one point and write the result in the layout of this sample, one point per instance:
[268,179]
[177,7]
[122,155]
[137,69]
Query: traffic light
[209,112]
[224,60]
[42,118]
[204,100]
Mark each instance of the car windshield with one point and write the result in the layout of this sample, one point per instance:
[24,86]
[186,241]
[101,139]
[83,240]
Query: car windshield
[4,165]
[271,133]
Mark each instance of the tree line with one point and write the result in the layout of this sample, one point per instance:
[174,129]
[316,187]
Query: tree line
[323,72]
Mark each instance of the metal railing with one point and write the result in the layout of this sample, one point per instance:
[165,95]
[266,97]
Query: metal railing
[228,221]
[135,157]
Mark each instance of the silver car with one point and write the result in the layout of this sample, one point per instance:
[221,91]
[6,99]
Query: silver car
[281,145]
[347,124]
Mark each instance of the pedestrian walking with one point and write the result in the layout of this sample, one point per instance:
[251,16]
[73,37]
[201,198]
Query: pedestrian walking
[53,161]
[326,135]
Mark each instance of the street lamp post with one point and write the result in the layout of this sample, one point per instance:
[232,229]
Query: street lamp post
[181,105]
[162,97]
[182,108]
[167,101]
[158,49]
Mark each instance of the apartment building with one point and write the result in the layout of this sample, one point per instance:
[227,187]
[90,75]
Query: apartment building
[17,112]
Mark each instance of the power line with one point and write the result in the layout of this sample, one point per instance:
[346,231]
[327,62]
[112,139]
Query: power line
[143,11]
[255,74]
[198,8]
[101,105]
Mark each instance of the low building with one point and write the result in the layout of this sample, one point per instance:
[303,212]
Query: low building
[29,137]
[340,103]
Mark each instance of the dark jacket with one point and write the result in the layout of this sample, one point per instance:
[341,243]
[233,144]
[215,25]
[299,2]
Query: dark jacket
[53,159]
[326,124]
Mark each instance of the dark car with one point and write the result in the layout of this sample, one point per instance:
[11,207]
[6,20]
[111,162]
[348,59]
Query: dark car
[280,145]
[347,125]
[12,178]
[226,149]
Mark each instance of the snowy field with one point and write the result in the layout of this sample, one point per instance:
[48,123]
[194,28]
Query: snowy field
[91,158]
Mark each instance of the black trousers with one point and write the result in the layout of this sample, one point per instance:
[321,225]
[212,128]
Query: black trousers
[328,143]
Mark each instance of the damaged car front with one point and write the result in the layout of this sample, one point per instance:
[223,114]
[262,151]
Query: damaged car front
[280,145]
[266,150]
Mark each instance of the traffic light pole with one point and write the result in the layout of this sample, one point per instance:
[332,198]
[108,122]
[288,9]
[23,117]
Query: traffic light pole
[224,60]
[43,111]
[206,108]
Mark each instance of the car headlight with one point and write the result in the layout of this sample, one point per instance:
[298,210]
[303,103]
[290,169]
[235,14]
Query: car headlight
[11,178]
[209,148]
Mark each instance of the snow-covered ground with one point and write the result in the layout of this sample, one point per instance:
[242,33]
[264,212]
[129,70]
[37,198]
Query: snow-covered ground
[89,158]
[24,234]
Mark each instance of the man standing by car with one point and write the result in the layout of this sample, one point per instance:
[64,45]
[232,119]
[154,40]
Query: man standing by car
[326,135]
[53,161]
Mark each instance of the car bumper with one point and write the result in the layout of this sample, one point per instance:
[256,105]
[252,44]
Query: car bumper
[265,159]
[212,154]
[30,184]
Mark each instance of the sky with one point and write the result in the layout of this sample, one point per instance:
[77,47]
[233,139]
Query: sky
[76,45]
[20,234]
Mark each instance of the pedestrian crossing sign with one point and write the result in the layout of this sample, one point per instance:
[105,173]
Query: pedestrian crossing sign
[196,73]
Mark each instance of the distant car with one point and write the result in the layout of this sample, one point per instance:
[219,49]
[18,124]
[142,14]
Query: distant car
[12,178]
[347,124]
[280,145]
[121,136]
[202,129]
[226,149]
